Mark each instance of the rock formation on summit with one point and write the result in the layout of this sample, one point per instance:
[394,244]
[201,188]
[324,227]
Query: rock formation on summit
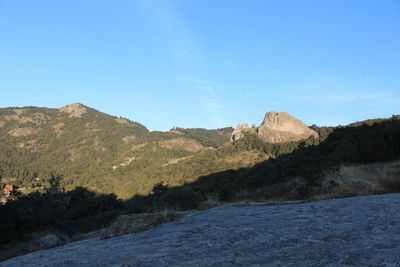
[277,127]
[238,132]
[74,110]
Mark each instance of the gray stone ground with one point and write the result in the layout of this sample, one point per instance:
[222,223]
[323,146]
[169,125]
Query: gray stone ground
[360,231]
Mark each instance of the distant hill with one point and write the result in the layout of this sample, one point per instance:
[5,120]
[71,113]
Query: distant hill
[84,147]
[79,146]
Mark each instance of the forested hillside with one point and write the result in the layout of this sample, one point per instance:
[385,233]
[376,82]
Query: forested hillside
[80,146]
[294,170]
[58,152]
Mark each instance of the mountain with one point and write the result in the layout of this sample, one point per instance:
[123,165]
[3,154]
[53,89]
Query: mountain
[277,127]
[80,146]
[44,151]
[77,146]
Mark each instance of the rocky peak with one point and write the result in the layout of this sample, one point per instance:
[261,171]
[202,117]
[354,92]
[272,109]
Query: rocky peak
[238,132]
[75,109]
[282,121]
[277,127]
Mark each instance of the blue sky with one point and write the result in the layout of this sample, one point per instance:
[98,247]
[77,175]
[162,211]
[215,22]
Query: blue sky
[208,63]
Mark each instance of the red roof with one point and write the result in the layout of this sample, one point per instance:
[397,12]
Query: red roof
[8,188]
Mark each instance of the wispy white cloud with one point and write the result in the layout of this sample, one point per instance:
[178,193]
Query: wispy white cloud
[181,53]
[177,38]
[206,88]
[214,108]
[189,57]
[339,98]
[231,64]
[343,98]
[199,81]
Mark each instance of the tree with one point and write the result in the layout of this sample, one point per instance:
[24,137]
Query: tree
[159,189]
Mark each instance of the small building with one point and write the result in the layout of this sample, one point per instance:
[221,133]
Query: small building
[7,190]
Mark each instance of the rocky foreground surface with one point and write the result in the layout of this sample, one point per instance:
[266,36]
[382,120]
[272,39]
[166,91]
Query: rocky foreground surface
[360,231]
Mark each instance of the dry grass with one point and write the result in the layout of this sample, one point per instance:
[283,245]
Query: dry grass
[138,147]
[123,121]
[134,223]
[363,179]
[211,202]
[32,244]
[128,138]
[175,161]
[246,157]
[74,110]
[58,128]
[347,181]
[74,154]
[182,143]
[22,131]
[291,189]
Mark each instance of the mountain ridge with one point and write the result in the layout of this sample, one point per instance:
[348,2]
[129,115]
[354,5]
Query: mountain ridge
[70,180]
[89,148]
[82,146]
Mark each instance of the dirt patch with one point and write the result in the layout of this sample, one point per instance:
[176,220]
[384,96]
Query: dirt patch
[2,123]
[36,118]
[182,143]
[128,138]
[74,110]
[176,132]
[20,145]
[139,146]
[10,117]
[122,121]
[126,162]
[175,161]
[27,145]
[74,154]
[18,118]
[92,130]
[57,128]
[22,131]
[15,116]
[97,144]
[83,142]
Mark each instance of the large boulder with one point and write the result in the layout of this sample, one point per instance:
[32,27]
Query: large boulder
[238,132]
[277,127]
[49,241]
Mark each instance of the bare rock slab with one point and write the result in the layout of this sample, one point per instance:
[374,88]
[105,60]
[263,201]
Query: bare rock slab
[359,231]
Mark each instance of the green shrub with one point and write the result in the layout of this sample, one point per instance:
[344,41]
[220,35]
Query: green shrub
[181,198]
